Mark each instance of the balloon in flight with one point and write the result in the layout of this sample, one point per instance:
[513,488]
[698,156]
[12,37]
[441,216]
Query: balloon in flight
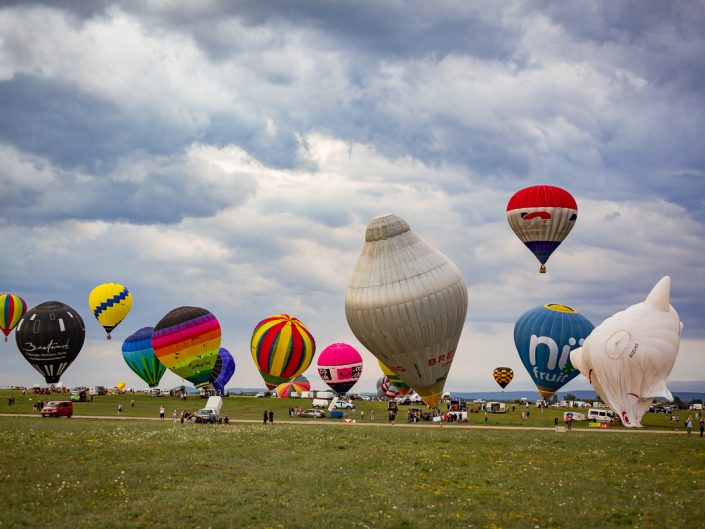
[628,357]
[223,370]
[503,376]
[187,341]
[298,385]
[406,302]
[139,356]
[50,336]
[110,303]
[542,217]
[120,386]
[282,348]
[340,366]
[544,337]
[12,308]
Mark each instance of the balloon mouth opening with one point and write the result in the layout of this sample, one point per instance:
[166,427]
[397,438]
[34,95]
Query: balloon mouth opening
[560,308]
[51,380]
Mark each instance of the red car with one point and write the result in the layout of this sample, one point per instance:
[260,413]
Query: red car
[58,408]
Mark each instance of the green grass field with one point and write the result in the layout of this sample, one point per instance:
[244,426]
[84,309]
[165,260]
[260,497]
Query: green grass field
[106,473]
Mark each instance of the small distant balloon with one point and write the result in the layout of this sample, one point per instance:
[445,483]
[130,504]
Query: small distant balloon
[298,385]
[385,389]
[394,379]
[12,308]
[50,336]
[110,303]
[503,376]
[542,217]
[120,386]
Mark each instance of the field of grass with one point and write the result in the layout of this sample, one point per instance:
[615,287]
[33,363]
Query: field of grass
[239,407]
[102,473]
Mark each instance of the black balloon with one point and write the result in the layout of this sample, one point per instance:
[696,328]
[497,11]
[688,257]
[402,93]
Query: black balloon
[50,336]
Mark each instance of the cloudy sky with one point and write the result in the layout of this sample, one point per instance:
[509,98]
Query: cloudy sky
[229,155]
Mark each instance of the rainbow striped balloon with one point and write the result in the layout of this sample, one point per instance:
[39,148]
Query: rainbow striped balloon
[139,355]
[401,386]
[297,385]
[12,308]
[282,346]
[187,341]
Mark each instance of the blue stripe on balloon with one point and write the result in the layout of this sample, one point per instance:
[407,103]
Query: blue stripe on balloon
[110,302]
[542,249]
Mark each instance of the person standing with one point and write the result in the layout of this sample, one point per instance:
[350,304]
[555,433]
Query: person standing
[372,415]
[119,409]
[689,424]
[161,412]
[362,415]
[265,416]
[132,403]
[173,416]
[271,416]
[702,425]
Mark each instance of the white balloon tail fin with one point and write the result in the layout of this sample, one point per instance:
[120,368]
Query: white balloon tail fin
[577,358]
[660,296]
[660,390]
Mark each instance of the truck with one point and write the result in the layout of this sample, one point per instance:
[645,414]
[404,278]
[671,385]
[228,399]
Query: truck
[211,413]
[496,407]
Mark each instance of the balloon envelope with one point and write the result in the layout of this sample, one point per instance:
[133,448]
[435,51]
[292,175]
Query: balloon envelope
[298,385]
[282,347]
[50,336]
[110,303]
[187,341]
[385,389]
[406,303]
[340,366]
[223,370]
[544,337]
[12,308]
[120,386]
[628,357]
[503,376]
[542,217]
[139,356]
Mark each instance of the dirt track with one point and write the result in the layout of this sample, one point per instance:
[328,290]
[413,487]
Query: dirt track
[382,424]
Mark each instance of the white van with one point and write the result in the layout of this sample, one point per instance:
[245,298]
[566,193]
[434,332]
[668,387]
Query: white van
[320,403]
[601,415]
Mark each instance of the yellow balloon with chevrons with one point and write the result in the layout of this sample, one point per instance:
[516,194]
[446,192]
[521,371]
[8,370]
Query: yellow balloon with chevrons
[110,303]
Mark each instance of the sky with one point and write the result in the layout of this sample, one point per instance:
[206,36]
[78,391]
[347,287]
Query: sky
[229,155]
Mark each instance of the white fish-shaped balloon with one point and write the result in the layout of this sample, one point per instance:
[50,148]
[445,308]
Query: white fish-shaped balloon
[406,302]
[628,357]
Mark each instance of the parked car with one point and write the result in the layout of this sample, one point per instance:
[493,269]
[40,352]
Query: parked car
[79,396]
[344,405]
[313,413]
[60,408]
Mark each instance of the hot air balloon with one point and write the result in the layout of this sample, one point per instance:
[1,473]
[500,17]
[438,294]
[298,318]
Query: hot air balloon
[542,216]
[282,348]
[628,357]
[340,366]
[544,337]
[50,336]
[298,385]
[187,341]
[406,303]
[223,370]
[110,303]
[120,386]
[271,381]
[12,308]
[385,389]
[139,355]
[395,380]
[503,376]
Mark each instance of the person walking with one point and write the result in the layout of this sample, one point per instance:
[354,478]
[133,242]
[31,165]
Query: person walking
[265,416]
[271,416]
[689,424]
[702,425]
[362,415]
[119,409]
[161,412]
[132,403]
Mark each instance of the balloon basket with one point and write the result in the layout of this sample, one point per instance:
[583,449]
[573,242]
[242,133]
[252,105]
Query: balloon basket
[109,337]
[542,270]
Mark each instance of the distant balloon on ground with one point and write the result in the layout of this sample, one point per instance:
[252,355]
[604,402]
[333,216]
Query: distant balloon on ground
[223,370]
[544,337]
[340,366]
[503,376]
[120,386]
[406,303]
[50,336]
[12,308]
[385,389]
[394,379]
[187,341]
[282,347]
[628,357]
[139,356]
[110,303]
[298,385]
[542,217]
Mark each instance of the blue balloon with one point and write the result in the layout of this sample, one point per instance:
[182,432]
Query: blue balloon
[544,337]
[223,370]
[139,355]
